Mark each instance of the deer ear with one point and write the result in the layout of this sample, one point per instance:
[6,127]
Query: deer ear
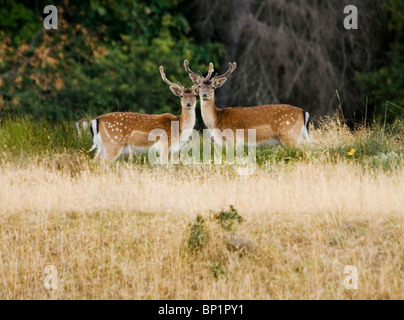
[176,90]
[195,78]
[219,82]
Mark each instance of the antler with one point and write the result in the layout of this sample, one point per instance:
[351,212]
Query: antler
[163,75]
[210,71]
[232,67]
[186,66]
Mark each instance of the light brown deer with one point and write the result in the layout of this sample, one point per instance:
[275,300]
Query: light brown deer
[115,132]
[274,124]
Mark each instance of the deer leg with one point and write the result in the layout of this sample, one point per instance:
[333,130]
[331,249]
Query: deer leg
[113,152]
[290,140]
[164,153]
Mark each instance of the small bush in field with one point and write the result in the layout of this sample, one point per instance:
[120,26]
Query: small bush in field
[229,220]
[218,270]
[198,235]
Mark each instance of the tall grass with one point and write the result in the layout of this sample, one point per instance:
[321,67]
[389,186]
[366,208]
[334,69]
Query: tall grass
[23,139]
[376,147]
[379,146]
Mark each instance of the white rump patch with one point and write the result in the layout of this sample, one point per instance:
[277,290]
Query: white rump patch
[304,134]
[97,141]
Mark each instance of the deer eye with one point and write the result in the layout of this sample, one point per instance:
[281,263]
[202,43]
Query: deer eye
[181,96]
[213,87]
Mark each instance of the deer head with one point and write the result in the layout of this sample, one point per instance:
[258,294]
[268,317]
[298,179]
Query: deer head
[206,85]
[188,95]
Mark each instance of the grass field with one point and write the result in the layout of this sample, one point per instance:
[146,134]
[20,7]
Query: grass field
[133,231]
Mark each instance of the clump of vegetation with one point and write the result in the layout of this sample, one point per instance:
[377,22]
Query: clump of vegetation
[218,270]
[217,228]
[198,234]
[229,220]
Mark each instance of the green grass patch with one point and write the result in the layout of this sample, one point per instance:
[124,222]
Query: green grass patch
[378,147]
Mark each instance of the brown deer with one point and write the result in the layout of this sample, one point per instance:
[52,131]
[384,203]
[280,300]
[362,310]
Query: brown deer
[274,124]
[115,132]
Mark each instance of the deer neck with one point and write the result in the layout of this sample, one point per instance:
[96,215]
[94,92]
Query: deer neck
[187,119]
[209,113]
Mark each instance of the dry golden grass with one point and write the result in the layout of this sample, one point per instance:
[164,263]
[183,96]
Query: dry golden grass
[121,232]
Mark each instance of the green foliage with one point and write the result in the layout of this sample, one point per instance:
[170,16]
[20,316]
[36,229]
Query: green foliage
[229,220]
[396,10]
[385,87]
[104,57]
[198,234]
[17,21]
[218,270]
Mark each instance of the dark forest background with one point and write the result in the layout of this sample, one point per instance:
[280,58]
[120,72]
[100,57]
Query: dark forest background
[105,55]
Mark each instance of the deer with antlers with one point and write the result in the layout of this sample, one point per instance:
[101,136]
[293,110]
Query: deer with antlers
[115,132]
[274,124]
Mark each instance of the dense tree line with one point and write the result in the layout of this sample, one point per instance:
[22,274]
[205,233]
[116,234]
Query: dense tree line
[105,55]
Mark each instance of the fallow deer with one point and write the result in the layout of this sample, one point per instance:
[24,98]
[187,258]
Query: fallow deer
[274,124]
[117,131]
